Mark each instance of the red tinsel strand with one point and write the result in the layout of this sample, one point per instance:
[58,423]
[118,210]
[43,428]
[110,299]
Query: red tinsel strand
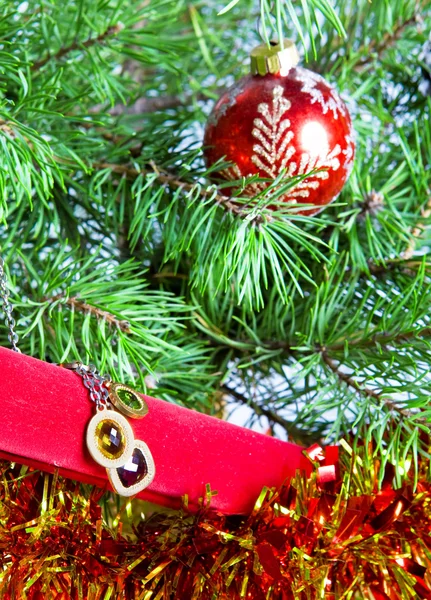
[316,537]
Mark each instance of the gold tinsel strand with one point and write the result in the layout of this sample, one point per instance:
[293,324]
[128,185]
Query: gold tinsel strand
[332,535]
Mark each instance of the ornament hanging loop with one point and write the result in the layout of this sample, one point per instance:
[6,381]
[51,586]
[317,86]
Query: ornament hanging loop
[274,59]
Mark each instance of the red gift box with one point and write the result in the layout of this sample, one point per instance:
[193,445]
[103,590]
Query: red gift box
[46,409]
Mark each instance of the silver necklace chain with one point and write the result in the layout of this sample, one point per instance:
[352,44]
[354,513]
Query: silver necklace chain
[92,380]
[7,308]
[95,383]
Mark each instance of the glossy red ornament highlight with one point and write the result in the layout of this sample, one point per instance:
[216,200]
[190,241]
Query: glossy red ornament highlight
[295,123]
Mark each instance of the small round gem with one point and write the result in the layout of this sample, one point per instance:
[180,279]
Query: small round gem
[110,438]
[129,398]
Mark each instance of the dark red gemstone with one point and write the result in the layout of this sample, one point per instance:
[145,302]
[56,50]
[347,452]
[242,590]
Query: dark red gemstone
[134,470]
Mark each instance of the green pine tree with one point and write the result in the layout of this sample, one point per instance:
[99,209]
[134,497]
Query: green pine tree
[121,252]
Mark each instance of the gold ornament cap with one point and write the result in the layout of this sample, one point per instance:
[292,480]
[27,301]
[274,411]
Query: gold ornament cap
[274,59]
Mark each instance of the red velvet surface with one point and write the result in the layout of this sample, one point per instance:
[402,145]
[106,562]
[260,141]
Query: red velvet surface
[45,411]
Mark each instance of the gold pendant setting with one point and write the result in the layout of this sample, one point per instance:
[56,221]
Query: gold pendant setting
[127,400]
[110,438]
[136,474]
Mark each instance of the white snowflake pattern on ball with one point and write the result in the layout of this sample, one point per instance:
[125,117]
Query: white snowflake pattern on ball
[349,153]
[229,100]
[310,85]
[273,151]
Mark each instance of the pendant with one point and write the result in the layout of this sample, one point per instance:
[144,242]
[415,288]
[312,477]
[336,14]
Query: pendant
[136,474]
[111,443]
[127,400]
[110,438]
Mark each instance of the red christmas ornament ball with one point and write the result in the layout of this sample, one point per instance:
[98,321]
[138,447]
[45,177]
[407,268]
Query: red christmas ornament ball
[289,121]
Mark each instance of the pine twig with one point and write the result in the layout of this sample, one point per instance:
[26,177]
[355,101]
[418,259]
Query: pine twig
[372,204]
[75,304]
[173,181]
[152,104]
[392,264]
[77,45]
[149,105]
[262,411]
[7,129]
[347,379]
[416,232]
[364,391]
[163,275]
[404,260]
[389,39]
[380,338]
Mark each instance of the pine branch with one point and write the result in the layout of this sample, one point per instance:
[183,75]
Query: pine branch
[409,267]
[379,338]
[77,45]
[151,104]
[373,203]
[273,417]
[347,379]
[416,233]
[158,103]
[7,129]
[360,389]
[173,181]
[389,39]
[75,304]
[165,275]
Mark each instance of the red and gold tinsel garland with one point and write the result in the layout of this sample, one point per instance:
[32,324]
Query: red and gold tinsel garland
[333,535]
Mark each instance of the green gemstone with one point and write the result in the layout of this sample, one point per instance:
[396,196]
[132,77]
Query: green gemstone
[129,398]
[110,439]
